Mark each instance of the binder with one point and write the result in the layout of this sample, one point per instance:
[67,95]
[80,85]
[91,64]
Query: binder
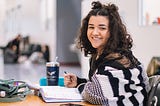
[60,94]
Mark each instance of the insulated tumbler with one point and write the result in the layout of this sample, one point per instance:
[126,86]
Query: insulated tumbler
[52,71]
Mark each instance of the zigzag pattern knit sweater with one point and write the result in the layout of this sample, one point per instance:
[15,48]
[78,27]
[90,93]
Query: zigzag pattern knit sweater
[114,85]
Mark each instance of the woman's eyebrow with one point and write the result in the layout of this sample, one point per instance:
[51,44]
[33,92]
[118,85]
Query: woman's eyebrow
[90,24]
[98,25]
[102,25]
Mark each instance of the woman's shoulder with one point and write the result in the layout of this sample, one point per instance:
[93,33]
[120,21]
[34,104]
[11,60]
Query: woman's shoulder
[119,60]
[114,60]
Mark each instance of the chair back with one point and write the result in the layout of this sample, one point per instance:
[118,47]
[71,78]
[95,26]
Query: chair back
[152,99]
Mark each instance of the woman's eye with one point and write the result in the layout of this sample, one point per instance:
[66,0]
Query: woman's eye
[102,28]
[90,27]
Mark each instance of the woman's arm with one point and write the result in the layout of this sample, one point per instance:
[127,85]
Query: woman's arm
[93,92]
[115,87]
[81,83]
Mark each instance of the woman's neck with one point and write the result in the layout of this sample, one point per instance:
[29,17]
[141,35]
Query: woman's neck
[99,52]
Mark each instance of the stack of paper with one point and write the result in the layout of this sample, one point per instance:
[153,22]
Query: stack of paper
[60,94]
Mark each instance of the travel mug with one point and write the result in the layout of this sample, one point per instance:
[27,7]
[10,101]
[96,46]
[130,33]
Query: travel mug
[52,71]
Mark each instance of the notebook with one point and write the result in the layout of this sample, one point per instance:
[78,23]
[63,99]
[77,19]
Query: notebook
[60,94]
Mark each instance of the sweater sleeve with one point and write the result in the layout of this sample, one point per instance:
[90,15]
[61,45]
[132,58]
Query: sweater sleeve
[93,93]
[115,87]
[81,80]
[81,83]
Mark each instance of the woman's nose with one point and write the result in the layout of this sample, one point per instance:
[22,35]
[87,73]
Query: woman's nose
[95,31]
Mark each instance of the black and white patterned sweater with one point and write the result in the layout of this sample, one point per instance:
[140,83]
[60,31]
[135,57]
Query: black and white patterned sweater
[114,85]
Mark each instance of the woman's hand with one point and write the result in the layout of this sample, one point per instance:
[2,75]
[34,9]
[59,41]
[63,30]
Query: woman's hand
[70,80]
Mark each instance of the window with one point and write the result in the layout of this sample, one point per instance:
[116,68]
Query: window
[46,12]
[149,12]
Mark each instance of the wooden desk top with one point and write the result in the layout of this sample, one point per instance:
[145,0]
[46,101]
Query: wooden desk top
[32,100]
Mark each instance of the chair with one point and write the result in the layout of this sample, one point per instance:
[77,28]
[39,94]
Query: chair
[152,98]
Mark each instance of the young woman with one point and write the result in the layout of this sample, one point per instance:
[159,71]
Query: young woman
[116,77]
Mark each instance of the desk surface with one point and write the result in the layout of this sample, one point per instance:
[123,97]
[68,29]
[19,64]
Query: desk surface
[32,100]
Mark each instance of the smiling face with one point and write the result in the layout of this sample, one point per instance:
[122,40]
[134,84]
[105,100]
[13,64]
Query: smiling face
[98,32]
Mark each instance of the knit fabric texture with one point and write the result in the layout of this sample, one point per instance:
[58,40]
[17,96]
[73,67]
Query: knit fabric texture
[110,86]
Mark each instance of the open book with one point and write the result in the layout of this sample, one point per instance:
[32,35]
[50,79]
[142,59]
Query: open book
[60,94]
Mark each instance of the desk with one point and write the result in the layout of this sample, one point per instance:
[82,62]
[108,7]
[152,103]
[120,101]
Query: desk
[32,100]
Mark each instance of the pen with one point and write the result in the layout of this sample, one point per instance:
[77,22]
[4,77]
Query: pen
[65,72]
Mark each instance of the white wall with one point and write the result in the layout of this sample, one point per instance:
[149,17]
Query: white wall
[146,38]
[2,7]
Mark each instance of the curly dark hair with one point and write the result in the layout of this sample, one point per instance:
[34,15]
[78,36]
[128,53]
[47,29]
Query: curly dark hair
[119,39]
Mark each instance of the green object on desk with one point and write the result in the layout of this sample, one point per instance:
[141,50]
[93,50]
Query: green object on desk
[10,90]
[43,81]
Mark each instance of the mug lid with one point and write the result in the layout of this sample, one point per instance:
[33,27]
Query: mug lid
[52,64]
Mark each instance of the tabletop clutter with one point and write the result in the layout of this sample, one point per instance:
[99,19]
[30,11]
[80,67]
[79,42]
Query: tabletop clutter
[50,88]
